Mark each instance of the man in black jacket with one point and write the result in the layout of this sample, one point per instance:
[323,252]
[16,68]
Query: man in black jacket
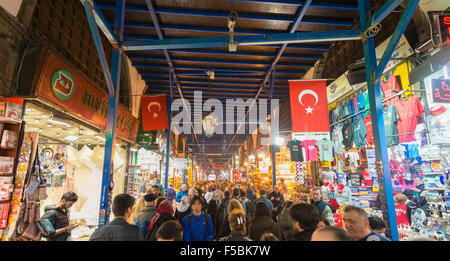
[305,218]
[59,217]
[119,229]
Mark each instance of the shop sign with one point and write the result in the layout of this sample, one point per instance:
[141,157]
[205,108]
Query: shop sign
[444,26]
[338,88]
[178,163]
[62,85]
[440,90]
[402,51]
[212,177]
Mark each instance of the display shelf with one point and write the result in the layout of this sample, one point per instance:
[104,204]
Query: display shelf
[10,120]
[440,189]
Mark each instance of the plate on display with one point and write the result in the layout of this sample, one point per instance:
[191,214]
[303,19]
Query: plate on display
[430,181]
[439,181]
[426,166]
[436,165]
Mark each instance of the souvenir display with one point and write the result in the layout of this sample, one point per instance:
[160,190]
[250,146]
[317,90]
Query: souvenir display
[6,165]
[9,140]
[13,110]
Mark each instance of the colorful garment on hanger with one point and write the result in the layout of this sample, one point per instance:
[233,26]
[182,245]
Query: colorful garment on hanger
[347,135]
[299,173]
[353,156]
[296,150]
[359,133]
[409,112]
[325,147]
[337,139]
[391,118]
[310,150]
[369,133]
[388,86]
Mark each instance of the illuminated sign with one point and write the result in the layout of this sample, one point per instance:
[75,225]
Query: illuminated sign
[444,25]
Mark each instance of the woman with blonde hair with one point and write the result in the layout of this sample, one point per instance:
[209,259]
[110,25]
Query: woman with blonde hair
[138,207]
[237,226]
[233,205]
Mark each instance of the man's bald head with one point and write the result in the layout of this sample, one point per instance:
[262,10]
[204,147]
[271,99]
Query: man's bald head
[331,233]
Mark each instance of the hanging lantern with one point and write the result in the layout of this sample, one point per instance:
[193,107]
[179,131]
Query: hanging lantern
[210,123]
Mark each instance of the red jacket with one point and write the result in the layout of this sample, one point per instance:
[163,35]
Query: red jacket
[402,217]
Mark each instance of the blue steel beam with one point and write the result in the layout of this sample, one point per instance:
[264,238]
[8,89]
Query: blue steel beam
[195,60]
[162,66]
[376,110]
[156,87]
[384,11]
[299,3]
[113,82]
[248,40]
[398,32]
[98,45]
[291,56]
[214,82]
[192,86]
[205,92]
[181,12]
[104,25]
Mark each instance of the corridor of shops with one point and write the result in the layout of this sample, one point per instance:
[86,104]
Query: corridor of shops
[224,120]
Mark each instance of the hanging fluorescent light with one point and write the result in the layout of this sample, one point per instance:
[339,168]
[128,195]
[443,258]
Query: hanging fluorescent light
[59,122]
[101,138]
[71,138]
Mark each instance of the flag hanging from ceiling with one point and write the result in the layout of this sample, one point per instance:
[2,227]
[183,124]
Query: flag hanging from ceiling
[154,113]
[309,106]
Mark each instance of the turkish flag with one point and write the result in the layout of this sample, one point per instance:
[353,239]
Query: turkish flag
[309,106]
[154,113]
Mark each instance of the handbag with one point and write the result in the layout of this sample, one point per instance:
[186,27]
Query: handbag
[46,228]
[32,232]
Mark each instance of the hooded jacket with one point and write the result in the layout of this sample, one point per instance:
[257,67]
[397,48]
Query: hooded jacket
[144,213]
[180,195]
[261,225]
[198,230]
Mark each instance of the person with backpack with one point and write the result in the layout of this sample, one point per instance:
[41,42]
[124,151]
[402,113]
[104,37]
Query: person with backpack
[142,219]
[164,212]
[198,225]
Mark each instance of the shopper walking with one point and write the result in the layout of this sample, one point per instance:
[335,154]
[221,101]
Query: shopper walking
[305,218]
[262,197]
[220,214]
[160,186]
[250,193]
[170,231]
[262,222]
[357,224]
[331,233]
[220,192]
[59,217]
[171,193]
[119,229]
[285,221]
[208,195]
[212,208]
[377,225]
[323,207]
[164,213]
[197,226]
[183,209]
[142,220]
[276,197]
[237,226]
[183,192]
[233,204]
[283,187]
[137,209]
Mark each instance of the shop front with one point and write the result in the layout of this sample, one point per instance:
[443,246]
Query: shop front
[67,115]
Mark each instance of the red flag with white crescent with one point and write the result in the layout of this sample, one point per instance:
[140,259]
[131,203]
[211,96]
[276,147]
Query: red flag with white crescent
[309,106]
[154,113]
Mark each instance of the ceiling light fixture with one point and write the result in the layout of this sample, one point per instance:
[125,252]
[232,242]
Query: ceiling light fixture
[59,122]
[231,23]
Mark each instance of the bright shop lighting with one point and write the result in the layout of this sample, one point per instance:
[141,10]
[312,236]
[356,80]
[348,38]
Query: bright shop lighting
[100,138]
[279,141]
[260,155]
[59,122]
[71,138]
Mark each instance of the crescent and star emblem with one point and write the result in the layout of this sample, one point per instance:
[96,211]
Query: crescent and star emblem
[155,115]
[311,92]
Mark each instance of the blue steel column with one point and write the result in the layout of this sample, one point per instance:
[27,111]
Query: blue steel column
[169,110]
[272,134]
[113,82]
[379,135]
[185,157]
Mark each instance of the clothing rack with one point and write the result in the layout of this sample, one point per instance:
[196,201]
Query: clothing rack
[393,96]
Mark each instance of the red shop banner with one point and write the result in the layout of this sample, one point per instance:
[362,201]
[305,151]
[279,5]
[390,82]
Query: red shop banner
[61,84]
[309,106]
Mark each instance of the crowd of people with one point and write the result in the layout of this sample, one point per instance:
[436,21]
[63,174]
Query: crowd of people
[222,212]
